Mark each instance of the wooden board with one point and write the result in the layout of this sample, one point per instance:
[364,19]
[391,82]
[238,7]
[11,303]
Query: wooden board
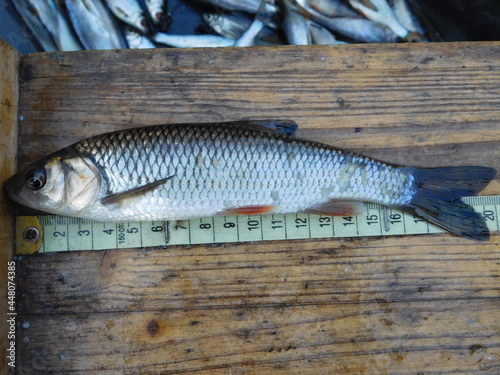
[421,304]
[9,91]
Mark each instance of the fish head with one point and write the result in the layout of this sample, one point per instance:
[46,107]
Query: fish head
[58,184]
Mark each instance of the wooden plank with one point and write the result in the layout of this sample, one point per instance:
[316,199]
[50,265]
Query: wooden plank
[9,96]
[423,304]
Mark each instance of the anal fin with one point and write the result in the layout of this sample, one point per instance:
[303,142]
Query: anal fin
[338,208]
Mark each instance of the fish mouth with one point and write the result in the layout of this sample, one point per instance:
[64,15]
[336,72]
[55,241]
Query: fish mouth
[13,186]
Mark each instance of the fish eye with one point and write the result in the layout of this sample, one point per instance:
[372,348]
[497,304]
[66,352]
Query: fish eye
[35,179]
[159,15]
[144,22]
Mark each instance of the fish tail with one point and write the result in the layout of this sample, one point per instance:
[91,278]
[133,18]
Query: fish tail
[438,198]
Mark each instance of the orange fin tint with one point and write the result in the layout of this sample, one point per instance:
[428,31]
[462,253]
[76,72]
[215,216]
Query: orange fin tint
[248,210]
[338,208]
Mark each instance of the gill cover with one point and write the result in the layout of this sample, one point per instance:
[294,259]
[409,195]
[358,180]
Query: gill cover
[57,184]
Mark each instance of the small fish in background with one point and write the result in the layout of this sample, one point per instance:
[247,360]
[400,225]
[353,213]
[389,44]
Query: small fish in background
[295,24]
[49,23]
[380,12]
[333,8]
[246,6]
[248,37]
[403,13]
[186,171]
[355,28]
[320,35]
[193,41]
[130,12]
[156,9]
[246,22]
[136,40]
[94,28]
[233,25]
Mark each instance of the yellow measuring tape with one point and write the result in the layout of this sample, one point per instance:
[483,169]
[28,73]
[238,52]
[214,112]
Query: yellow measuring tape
[57,233]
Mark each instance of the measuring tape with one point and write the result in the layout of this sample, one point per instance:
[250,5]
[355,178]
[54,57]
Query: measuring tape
[57,233]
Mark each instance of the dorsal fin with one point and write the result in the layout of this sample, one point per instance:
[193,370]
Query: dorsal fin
[280,127]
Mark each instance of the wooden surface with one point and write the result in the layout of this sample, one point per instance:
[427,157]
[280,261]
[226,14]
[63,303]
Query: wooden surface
[9,90]
[420,305]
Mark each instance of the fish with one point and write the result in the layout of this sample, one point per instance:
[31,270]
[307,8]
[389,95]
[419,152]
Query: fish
[186,171]
[379,11]
[320,35]
[136,40]
[402,11]
[233,25]
[247,6]
[248,38]
[295,25]
[359,29]
[156,10]
[130,12]
[93,25]
[193,41]
[31,16]
[332,8]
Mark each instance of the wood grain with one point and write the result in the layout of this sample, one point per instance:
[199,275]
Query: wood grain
[421,304]
[9,96]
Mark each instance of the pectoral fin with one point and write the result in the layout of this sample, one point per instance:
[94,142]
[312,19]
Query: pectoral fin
[338,208]
[117,198]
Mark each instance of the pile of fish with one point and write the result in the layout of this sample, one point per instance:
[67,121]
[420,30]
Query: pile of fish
[110,24]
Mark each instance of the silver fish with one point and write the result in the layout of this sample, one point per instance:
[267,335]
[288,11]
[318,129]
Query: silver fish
[356,28]
[247,6]
[136,40]
[248,37]
[49,24]
[295,25]
[332,8]
[32,18]
[405,16]
[233,25]
[320,35]
[184,171]
[156,9]
[192,41]
[93,28]
[130,12]
[379,11]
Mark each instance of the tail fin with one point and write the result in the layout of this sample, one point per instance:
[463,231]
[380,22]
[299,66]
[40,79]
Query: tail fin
[438,194]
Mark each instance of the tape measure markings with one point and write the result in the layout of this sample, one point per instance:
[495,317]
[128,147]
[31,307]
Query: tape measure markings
[58,233]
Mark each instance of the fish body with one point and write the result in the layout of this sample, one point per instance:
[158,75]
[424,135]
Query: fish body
[379,11]
[295,25]
[233,26]
[247,6]
[356,28]
[332,8]
[156,10]
[320,35]
[193,41]
[403,13]
[136,40]
[174,172]
[92,25]
[130,12]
